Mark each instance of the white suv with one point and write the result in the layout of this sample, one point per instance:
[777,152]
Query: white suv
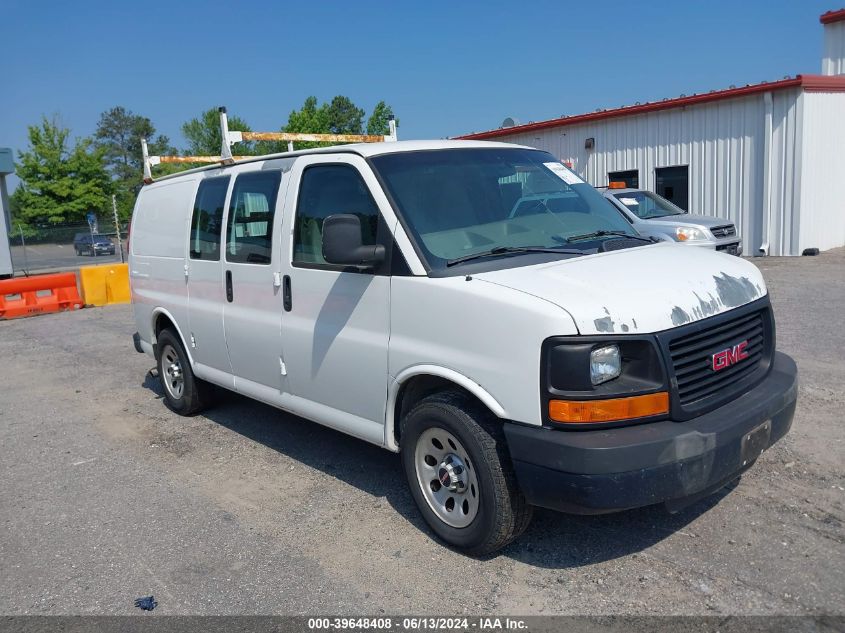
[654,216]
[474,306]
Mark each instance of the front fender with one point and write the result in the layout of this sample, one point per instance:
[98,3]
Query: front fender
[441,372]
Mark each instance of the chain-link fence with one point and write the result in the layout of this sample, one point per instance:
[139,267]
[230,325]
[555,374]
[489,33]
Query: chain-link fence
[52,248]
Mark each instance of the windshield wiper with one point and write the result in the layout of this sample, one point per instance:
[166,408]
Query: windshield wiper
[505,250]
[587,236]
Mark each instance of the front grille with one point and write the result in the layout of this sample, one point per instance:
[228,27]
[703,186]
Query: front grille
[698,385]
[728,230]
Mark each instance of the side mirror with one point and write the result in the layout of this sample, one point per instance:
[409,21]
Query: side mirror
[342,243]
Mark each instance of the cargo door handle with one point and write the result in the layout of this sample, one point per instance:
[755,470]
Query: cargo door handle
[287,299]
[229,295]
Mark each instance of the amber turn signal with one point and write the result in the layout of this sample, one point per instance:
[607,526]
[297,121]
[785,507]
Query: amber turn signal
[611,410]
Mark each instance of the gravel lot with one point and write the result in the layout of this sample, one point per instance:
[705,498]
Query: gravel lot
[108,496]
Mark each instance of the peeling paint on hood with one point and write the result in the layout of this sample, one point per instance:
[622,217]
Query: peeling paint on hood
[639,290]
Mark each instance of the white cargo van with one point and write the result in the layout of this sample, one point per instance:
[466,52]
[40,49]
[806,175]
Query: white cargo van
[477,308]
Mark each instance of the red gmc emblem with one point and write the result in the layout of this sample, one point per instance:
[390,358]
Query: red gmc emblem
[730,356]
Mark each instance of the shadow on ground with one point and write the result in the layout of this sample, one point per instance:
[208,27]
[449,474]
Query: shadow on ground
[553,540]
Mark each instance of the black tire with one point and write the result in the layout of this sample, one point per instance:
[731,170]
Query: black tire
[195,394]
[503,513]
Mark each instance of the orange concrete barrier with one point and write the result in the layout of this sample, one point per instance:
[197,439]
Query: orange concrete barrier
[26,296]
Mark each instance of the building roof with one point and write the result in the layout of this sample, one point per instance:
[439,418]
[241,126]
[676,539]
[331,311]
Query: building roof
[809,83]
[832,16]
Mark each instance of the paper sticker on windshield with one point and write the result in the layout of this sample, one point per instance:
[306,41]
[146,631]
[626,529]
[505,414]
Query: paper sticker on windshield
[564,174]
[629,202]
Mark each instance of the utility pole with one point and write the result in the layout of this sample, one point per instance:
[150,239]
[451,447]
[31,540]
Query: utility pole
[117,226]
[23,248]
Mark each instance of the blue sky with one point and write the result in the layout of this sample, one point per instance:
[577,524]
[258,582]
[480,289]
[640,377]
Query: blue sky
[445,67]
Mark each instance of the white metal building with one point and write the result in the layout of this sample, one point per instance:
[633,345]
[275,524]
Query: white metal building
[770,157]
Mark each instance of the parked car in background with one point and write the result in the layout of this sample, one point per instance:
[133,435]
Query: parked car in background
[654,216]
[93,245]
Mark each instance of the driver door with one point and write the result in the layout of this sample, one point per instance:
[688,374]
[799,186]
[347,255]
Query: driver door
[336,322]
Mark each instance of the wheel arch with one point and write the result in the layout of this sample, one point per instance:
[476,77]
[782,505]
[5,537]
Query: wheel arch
[161,319]
[415,383]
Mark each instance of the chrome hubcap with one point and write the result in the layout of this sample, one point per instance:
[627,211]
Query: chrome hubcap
[171,375]
[446,477]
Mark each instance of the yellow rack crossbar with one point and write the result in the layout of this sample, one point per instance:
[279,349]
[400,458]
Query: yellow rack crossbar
[312,138]
[197,159]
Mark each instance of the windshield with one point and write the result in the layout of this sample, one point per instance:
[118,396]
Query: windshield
[645,204]
[460,202]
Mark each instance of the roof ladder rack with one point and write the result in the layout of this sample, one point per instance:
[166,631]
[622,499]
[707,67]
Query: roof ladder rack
[229,138]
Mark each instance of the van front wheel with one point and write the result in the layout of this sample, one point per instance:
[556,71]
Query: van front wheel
[458,467]
[184,393]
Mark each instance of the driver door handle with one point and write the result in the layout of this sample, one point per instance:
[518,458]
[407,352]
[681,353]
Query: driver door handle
[229,293]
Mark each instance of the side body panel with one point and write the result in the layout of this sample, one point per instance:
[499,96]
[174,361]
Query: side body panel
[158,254]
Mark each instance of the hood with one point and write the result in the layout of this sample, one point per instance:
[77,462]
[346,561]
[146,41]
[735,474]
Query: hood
[689,219]
[639,290]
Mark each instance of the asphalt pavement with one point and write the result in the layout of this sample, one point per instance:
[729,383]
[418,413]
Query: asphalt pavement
[108,496]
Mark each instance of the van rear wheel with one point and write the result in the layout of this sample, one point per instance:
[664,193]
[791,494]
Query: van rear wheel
[184,393]
[458,467]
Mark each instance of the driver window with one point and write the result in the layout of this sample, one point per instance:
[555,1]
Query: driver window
[328,190]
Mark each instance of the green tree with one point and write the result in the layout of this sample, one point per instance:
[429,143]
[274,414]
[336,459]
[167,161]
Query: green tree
[59,184]
[309,119]
[119,133]
[378,123]
[204,139]
[344,117]
[340,116]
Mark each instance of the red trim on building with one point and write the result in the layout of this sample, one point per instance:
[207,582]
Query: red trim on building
[810,83]
[832,16]
[823,83]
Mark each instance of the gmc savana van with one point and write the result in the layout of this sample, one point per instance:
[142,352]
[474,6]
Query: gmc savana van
[477,308]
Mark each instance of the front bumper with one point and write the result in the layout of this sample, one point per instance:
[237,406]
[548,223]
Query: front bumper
[593,472]
[731,246]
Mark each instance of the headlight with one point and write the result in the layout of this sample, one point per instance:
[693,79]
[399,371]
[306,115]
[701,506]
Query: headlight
[686,234]
[605,364]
